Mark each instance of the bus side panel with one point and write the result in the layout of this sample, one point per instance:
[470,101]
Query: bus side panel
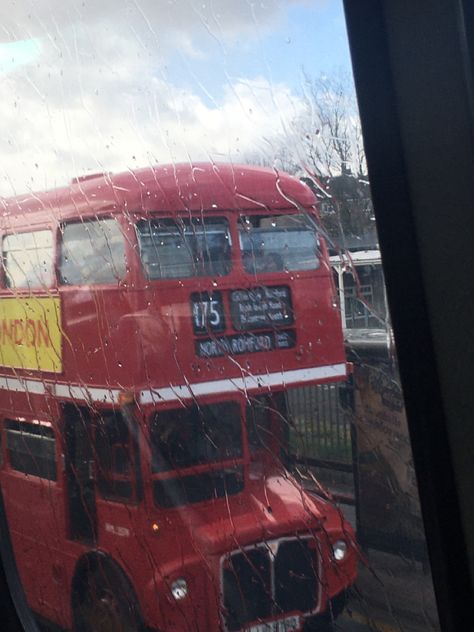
[99,347]
[167,337]
[122,527]
[36,519]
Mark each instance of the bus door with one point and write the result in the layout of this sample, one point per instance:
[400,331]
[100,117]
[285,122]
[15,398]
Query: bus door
[80,486]
[118,482]
[32,493]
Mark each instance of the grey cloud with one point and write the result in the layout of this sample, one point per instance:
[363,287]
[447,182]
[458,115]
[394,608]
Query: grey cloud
[97,97]
[48,18]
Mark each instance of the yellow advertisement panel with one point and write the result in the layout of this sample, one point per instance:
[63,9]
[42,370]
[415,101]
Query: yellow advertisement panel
[30,333]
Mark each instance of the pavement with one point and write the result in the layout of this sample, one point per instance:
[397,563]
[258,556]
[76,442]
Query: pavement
[396,591]
[392,593]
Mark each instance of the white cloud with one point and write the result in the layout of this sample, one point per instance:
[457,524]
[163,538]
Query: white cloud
[95,97]
[49,143]
[30,18]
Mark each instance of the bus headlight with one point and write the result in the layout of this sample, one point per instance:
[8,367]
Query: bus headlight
[179,588]
[339,550]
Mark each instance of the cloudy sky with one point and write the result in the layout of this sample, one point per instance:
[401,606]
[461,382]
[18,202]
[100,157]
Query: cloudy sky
[91,86]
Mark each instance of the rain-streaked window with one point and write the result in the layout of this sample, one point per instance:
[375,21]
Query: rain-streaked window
[181,249]
[186,437]
[28,259]
[116,466]
[93,252]
[278,243]
[202,423]
[31,449]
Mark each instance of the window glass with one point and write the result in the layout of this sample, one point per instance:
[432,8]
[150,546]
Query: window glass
[93,252]
[28,259]
[197,488]
[196,435]
[258,417]
[192,439]
[230,424]
[277,243]
[177,249]
[31,449]
[114,457]
[357,310]
[267,422]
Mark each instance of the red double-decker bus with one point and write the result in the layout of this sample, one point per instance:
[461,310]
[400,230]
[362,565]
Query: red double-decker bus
[150,325]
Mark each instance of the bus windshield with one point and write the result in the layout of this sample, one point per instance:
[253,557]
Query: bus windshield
[278,243]
[198,435]
[182,248]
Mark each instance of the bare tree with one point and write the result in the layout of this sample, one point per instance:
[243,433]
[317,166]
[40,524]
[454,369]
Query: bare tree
[281,157]
[324,145]
[325,137]
[329,127]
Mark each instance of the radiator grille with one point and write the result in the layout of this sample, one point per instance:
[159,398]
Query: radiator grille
[269,580]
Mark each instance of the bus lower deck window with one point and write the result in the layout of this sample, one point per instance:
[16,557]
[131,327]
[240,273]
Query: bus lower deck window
[31,449]
[185,437]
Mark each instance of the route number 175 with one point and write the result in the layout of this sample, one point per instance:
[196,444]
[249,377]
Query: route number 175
[208,313]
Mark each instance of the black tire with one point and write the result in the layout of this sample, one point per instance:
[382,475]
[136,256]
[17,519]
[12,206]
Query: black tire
[318,624]
[326,622]
[105,602]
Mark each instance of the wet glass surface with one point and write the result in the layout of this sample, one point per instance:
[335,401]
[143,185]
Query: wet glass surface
[201,420]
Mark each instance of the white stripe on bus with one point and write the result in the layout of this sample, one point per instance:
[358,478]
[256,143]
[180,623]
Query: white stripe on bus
[175,393]
[242,384]
[20,385]
[88,393]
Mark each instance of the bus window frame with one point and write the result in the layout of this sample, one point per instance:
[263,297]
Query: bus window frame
[242,461]
[119,218]
[24,230]
[225,215]
[237,269]
[7,466]
[133,477]
[184,282]
[321,252]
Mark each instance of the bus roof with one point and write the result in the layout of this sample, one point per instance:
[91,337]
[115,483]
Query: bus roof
[173,188]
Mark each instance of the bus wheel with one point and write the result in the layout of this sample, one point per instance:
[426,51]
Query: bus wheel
[326,622]
[106,603]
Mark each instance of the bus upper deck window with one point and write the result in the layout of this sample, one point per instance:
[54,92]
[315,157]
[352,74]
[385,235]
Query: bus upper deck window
[28,259]
[180,249]
[278,243]
[93,252]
